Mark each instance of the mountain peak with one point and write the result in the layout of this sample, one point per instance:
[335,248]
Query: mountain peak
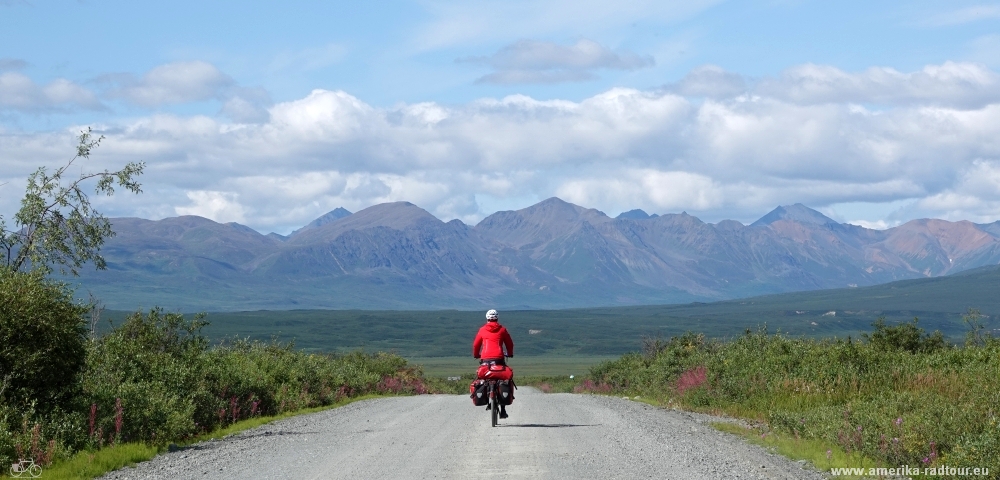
[545,220]
[394,215]
[556,205]
[636,214]
[328,217]
[796,213]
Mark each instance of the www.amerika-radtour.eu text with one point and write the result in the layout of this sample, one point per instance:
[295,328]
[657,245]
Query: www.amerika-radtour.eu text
[906,470]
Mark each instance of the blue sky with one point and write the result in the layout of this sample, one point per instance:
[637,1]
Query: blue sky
[270,115]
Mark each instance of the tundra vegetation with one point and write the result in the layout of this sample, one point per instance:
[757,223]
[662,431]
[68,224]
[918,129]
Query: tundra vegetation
[898,396]
[152,380]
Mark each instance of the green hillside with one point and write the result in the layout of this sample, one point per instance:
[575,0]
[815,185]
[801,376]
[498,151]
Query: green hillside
[938,302]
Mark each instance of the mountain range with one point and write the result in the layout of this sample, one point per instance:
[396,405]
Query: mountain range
[550,255]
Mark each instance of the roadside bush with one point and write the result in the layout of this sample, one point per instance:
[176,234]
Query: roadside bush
[155,379]
[901,396]
[142,379]
[42,341]
[42,354]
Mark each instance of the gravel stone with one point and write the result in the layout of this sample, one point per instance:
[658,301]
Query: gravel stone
[444,436]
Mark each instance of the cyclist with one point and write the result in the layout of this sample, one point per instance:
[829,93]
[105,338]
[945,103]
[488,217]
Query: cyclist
[490,343]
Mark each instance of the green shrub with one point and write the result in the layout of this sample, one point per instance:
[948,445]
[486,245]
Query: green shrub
[42,341]
[904,336]
[42,354]
[142,378]
[155,379]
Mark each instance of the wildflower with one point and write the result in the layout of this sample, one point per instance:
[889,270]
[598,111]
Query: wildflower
[899,421]
[828,453]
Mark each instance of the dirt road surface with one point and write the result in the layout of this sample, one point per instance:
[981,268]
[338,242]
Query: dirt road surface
[444,436]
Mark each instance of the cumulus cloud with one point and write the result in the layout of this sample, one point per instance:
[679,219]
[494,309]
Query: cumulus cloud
[717,155]
[220,206]
[19,92]
[172,83]
[532,61]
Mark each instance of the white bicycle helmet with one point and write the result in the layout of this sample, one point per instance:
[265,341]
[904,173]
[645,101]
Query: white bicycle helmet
[492,316]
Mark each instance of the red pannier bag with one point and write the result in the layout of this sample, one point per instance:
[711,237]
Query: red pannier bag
[493,371]
[478,393]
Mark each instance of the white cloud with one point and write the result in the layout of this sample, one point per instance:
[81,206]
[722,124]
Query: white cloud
[219,206]
[532,61]
[660,190]
[19,92]
[716,157]
[247,105]
[874,225]
[953,84]
[709,81]
[179,82]
[967,85]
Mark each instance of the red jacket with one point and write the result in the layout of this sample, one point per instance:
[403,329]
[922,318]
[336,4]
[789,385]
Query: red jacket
[487,344]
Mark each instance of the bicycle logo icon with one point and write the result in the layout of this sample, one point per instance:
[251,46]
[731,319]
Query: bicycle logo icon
[25,469]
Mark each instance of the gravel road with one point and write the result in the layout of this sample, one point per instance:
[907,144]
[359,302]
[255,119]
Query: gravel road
[444,436]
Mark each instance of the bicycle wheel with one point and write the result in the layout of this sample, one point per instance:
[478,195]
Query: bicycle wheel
[35,471]
[496,412]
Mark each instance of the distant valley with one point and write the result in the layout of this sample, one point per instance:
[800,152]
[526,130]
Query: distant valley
[551,255]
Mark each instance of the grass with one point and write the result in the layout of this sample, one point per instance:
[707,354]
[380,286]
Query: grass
[820,454]
[85,464]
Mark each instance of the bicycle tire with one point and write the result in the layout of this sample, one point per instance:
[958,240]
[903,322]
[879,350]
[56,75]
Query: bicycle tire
[495,410]
[35,471]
